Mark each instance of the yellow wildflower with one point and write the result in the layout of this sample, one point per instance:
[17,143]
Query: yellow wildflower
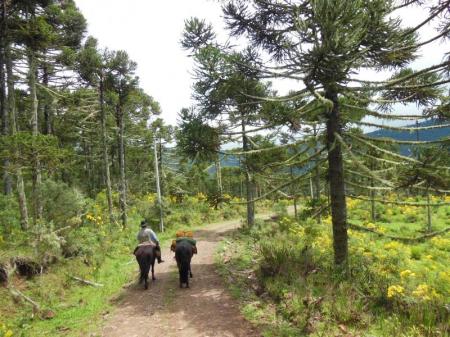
[392,245]
[441,243]
[395,290]
[444,276]
[425,292]
[371,225]
[407,273]
[200,196]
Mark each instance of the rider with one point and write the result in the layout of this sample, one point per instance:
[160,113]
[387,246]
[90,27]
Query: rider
[145,235]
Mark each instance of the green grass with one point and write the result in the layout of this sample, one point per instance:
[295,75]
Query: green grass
[282,274]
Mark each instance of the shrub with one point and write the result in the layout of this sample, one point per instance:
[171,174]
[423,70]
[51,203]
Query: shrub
[9,214]
[61,202]
[280,207]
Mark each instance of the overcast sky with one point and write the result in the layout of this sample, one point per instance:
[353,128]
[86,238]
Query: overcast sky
[150,32]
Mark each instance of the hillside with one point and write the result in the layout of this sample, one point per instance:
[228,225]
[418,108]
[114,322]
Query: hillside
[422,135]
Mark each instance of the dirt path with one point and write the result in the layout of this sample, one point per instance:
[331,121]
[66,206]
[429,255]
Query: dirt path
[165,310]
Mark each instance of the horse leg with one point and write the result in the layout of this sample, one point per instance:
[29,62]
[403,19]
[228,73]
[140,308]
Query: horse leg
[188,272]
[153,271]
[146,282]
[181,277]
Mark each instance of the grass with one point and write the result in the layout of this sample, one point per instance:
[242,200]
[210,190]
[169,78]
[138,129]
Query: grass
[282,273]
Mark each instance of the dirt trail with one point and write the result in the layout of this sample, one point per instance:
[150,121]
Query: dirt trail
[165,310]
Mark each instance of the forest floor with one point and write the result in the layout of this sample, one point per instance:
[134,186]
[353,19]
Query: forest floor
[206,309]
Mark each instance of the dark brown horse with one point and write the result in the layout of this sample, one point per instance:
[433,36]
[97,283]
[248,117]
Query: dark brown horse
[145,256]
[183,254]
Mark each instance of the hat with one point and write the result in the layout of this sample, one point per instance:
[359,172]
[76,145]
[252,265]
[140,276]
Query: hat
[144,223]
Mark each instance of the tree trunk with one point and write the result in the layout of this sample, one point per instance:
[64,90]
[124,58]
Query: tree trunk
[7,183]
[48,104]
[123,182]
[219,177]
[337,185]
[372,202]
[429,224]
[160,163]
[23,208]
[158,188]
[294,193]
[317,179]
[248,181]
[105,151]
[37,178]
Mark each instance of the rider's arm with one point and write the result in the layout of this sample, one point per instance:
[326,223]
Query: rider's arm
[153,237]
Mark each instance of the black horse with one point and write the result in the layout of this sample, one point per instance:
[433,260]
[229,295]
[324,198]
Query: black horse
[145,256]
[183,255]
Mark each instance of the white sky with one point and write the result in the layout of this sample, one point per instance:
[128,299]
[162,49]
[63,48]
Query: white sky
[150,31]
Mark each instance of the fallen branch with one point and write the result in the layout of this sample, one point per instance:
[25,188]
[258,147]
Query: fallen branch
[59,230]
[405,203]
[320,211]
[86,281]
[17,294]
[399,238]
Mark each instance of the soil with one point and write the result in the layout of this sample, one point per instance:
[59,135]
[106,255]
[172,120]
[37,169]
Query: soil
[205,309]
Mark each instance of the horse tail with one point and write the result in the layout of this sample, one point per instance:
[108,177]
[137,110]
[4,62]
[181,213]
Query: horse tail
[184,271]
[183,255]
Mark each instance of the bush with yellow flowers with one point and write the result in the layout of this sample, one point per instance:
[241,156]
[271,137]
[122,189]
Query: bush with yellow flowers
[5,331]
[395,285]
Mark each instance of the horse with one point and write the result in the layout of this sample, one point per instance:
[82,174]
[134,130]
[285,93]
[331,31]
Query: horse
[145,256]
[183,255]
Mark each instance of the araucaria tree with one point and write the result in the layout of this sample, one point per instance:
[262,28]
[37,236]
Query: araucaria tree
[55,96]
[226,82]
[327,45]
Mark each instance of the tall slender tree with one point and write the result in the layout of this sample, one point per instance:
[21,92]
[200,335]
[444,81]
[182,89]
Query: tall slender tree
[92,68]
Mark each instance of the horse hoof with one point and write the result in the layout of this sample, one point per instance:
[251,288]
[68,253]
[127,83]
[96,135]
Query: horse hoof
[191,275]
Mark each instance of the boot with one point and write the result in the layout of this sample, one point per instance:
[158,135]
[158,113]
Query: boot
[158,254]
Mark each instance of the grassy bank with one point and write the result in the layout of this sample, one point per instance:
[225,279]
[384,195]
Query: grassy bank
[283,274]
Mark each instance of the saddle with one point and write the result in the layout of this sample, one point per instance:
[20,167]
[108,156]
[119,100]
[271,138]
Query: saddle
[147,243]
[184,236]
[144,244]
